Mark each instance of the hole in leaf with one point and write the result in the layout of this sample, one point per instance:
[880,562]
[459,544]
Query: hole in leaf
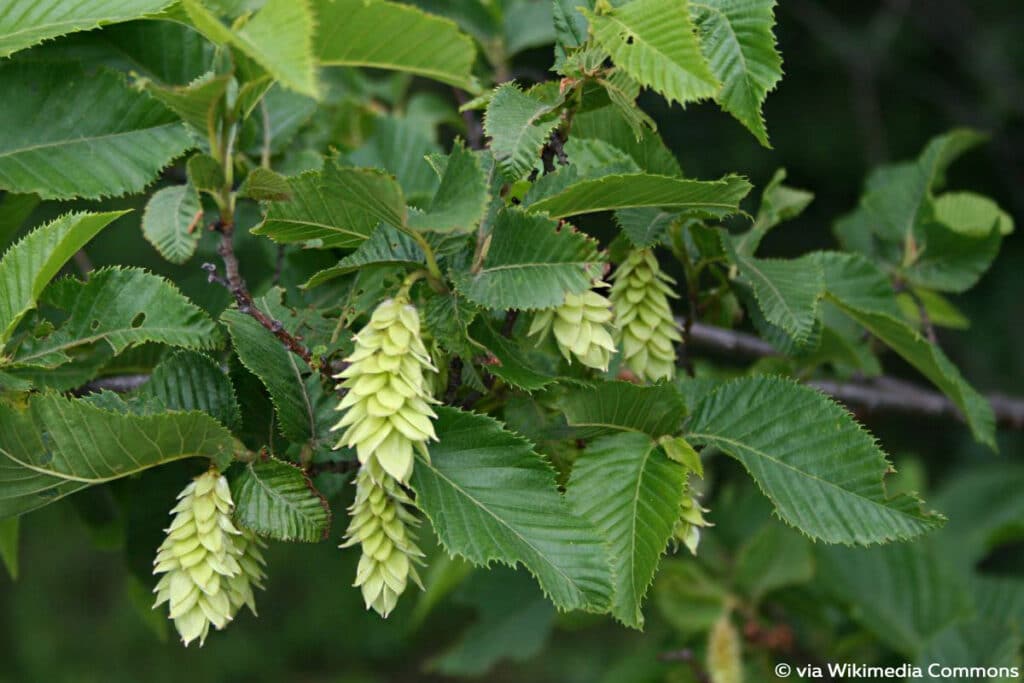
[94,325]
[629,40]
[138,320]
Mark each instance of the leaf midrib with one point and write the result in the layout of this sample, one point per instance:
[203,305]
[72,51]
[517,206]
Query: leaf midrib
[67,142]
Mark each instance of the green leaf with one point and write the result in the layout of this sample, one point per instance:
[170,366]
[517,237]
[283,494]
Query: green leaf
[401,146]
[527,24]
[387,35]
[513,366]
[896,194]
[187,380]
[279,37]
[656,43]
[386,246]
[971,214]
[24,23]
[984,509]
[862,292]
[689,599]
[531,263]
[196,102]
[779,203]
[14,211]
[446,318]
[644,227]
[9,536]
[276,499]
[462,198]
[28,266]
[787,290]
[737,40]
[124,308]
[773,558]
[821,470]
[281,372]
[900,592]
[630,190]
[951,261]
[89,136]
[570,24]
[171,222]
[262,184]
[58,446]
[610,126]
[626,486]
[608,407]
[623,91]
[514,622]
[857,282]
[490,498]
[338,206]
[205,174]
[979,640]
[518,125]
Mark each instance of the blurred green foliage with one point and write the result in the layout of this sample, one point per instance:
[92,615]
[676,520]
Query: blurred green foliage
[865,83]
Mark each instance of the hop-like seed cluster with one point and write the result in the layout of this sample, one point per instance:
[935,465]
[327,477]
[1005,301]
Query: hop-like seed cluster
[387,404]
[383,525]
[387,417]
[691,521]
[643,318]
[581,328]
[209,566]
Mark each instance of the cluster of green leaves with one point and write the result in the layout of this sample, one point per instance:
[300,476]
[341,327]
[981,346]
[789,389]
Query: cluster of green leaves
[249,117]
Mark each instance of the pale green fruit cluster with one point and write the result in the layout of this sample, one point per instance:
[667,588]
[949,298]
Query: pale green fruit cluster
[581,326]
[643,318]
[249,553]
[690,522]
[387,404]
[209,566]
[383,525]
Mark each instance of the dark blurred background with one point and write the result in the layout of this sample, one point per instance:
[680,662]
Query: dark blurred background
[865,83]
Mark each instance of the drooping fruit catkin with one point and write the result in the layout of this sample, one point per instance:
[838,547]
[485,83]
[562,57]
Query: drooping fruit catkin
[208,564]
[387,404]
[387,417]
[581,328]
[383,525]
[644,323]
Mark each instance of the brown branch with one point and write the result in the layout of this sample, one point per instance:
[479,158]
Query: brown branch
[236,285]
[878,395]
[510,322]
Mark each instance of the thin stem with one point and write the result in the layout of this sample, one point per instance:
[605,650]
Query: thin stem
[265,151]
[435,278]
[692,281]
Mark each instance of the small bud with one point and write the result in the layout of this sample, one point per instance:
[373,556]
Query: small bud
[581,328]
[645,326]
[691,521]
[208,564]
[383,525]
